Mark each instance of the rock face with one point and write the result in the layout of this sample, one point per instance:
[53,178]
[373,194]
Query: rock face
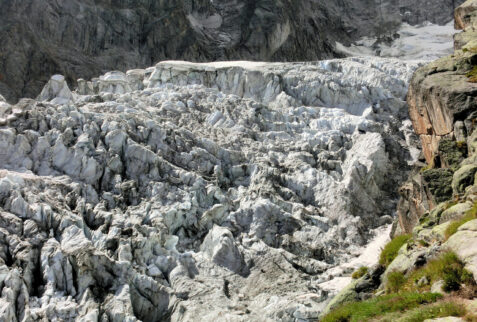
[442,102]
[442,95]
[223,191]
[82,39]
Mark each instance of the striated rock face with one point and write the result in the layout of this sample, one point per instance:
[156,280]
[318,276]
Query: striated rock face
[82,39]
[224,191]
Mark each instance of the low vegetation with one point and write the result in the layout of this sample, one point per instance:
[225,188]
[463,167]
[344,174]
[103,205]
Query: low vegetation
[395,281]
[447,268]
[360,272]
[431,311]
[391,250]
[380,306]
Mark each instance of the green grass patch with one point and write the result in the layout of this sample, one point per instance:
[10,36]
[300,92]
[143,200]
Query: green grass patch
[471,214]
[379,306]
[360,272]
[424,312]
[391,249]
[448,267]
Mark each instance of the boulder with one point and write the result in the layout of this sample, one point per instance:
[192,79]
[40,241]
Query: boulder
[358,289]
[464,244]
[463,178]
[466,15]
[455,212]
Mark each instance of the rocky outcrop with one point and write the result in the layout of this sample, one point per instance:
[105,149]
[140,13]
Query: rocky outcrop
[442,95]
[464,244]
[83,39]
[442,101]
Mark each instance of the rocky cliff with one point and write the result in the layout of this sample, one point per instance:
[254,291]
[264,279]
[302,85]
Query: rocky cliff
[83,39]
[442,102]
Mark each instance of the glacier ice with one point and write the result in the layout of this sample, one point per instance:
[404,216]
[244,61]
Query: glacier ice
[225,191]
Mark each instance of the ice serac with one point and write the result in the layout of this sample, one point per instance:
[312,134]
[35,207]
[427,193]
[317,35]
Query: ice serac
[221,191]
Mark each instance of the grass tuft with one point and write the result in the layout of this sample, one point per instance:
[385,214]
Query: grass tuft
[360,272]
[395,281]
[424,312]
[391,249]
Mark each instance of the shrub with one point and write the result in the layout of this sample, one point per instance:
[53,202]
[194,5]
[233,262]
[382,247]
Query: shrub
[395,281]
[452,276]
[391,250]
[360,272]
[378,306]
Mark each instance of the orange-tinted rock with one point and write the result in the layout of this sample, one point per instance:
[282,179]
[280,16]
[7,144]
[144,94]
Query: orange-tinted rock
[465,15]
[439,95]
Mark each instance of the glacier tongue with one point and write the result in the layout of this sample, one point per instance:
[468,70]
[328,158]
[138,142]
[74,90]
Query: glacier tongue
[221,191]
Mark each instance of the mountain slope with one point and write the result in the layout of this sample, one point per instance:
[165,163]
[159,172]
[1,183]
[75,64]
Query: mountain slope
[82,39]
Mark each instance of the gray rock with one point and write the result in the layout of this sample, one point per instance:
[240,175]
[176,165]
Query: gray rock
[464,244]
[438,287]
[463,178]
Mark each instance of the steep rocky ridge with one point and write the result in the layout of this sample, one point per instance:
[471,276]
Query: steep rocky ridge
[220,191]
[82,39]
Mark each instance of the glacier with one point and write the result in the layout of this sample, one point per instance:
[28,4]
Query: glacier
[426,41]
[231,191]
